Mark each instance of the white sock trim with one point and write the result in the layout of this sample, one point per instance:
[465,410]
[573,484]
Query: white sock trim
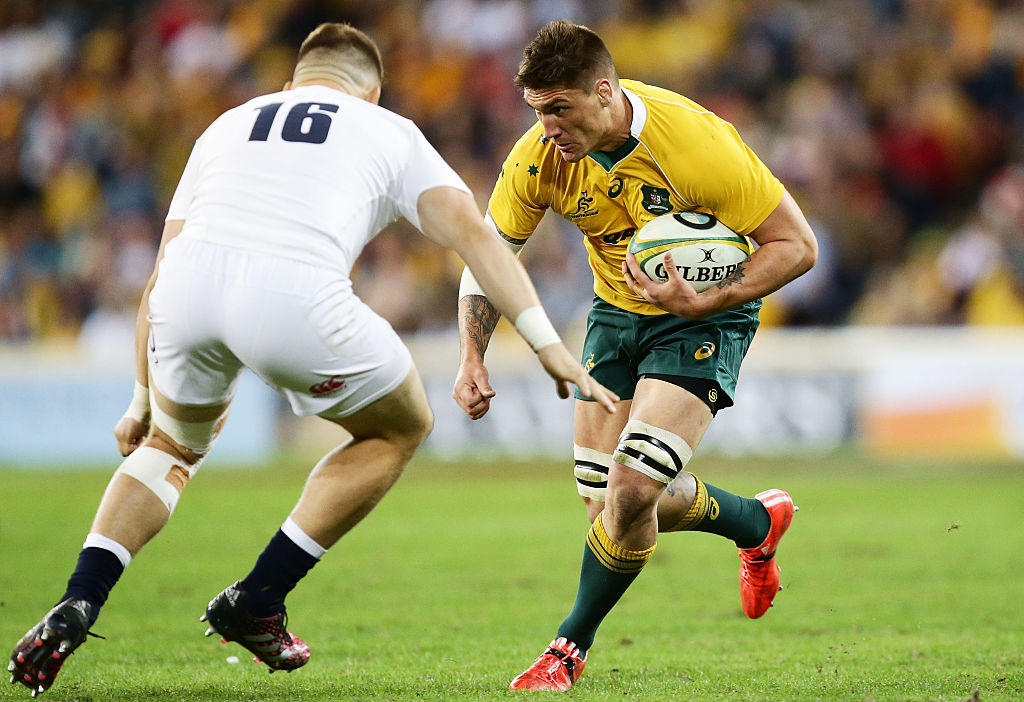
[94,540]
[302,539]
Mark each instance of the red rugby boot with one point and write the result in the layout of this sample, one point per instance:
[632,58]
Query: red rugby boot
[556,669]
[759,573]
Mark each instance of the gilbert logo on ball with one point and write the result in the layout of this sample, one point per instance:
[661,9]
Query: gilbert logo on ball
[705,250]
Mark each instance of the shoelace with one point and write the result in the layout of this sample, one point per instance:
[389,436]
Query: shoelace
[559,659]
[755,578]
[283,637]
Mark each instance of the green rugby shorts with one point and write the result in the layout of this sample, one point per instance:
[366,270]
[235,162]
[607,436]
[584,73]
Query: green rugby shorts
[702,356]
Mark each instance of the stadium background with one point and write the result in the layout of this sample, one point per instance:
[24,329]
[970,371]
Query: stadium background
[898,125]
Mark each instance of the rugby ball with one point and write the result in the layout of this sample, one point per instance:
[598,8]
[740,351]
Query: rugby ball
[705,251]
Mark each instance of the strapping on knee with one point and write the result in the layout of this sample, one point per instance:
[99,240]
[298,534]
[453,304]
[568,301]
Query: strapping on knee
[197,437]
[162,473]
[655,452]
[591,469]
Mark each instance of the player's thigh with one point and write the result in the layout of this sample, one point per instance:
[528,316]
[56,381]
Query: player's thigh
[608,349]
[190,366]
[403,413]
[595,429]
[187,431]
[666,423]
[192,373]
[595,433]
[187,413]
[671,408]
[302,330]
[706,353]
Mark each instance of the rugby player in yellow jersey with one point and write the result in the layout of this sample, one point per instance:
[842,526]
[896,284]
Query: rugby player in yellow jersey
[609,156]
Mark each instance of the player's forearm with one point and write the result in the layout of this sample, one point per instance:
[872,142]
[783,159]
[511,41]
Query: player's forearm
[449,217]
[503,279]
[787,250]
[769,268]
[477,320]
[508,287]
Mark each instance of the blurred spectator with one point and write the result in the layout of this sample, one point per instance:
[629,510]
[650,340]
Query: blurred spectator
[898,124]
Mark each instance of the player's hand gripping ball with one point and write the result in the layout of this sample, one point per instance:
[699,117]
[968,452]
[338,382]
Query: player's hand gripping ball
[705,250]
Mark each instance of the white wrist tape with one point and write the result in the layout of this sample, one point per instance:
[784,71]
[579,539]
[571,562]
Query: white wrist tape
[139,407]
[535,327]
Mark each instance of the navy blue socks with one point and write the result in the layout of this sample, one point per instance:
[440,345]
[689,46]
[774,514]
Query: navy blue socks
[277,571]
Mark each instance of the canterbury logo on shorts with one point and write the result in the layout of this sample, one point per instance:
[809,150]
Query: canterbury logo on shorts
[328,386]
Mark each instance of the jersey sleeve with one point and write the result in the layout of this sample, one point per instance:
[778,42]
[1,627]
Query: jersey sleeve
[736,186]
[523,191]
[182,198]
[424,170]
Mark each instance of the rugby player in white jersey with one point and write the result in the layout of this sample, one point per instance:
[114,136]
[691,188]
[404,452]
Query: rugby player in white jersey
[278,198]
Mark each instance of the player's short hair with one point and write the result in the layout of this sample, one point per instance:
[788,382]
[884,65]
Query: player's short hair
[340,43]
[565,55]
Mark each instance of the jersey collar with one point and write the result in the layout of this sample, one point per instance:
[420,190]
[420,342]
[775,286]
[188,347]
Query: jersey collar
[608,159]
[639,112]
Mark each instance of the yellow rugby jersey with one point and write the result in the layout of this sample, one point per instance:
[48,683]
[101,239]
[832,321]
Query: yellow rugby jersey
[679,157]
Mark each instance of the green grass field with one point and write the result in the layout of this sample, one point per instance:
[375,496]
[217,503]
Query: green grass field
[902,582]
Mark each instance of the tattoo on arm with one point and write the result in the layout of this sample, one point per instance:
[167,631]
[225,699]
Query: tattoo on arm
[735,279]
[479,317]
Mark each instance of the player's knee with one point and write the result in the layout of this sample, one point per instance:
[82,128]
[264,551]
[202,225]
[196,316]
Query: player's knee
[427,424]
[192,439]
[593,508]
[591,470]
[416,428]
[162,472]
[630,491]
[653,452]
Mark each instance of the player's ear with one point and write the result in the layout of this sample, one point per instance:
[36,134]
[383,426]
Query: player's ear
[287,86]
[604,91]
[374,96]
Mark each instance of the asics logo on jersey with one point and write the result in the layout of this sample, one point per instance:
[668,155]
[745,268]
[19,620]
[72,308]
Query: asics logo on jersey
[616,188]
[705,350]
[328,386]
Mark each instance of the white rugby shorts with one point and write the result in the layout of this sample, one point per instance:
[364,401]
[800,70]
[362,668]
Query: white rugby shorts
[216,309]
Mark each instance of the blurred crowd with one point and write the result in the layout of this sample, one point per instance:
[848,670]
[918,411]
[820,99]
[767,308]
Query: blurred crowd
[897,124]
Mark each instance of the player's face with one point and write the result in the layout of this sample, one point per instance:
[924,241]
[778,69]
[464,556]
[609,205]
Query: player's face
[576,122]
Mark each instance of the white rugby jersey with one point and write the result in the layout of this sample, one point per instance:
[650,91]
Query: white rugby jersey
[310,174]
